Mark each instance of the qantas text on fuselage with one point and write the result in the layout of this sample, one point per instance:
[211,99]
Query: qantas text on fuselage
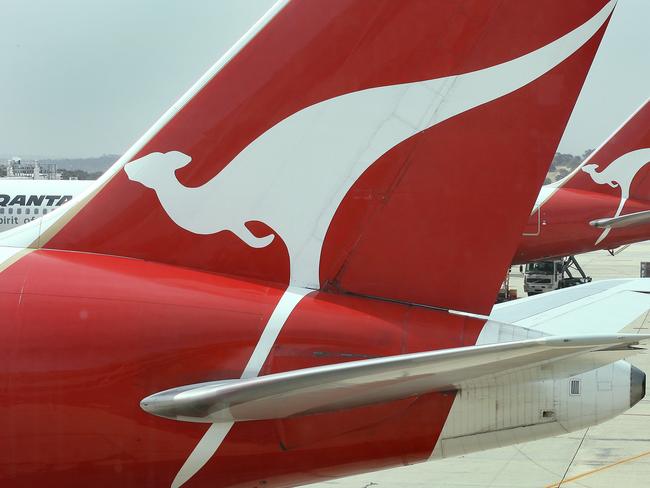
[22,201]
[32,202]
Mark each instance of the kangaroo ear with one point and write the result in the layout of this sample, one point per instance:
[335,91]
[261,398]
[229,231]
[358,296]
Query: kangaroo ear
[176,159]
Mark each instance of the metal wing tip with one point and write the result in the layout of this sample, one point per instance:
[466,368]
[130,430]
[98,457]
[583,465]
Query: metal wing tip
[147,404]
[155,405]
[599,223]
[164,405]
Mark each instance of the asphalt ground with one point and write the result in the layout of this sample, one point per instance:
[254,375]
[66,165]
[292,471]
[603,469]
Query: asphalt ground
[610,455]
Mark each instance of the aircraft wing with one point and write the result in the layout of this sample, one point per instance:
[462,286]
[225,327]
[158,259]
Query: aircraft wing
[357,383]
[584,309]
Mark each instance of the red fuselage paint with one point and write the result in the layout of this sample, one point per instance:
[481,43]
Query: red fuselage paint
[86,337]
[564,228]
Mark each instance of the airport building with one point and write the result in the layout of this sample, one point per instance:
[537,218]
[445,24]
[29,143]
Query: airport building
[18,169]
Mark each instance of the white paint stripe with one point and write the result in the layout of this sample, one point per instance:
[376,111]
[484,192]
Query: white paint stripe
[215,435]
[202,453]
[283,309]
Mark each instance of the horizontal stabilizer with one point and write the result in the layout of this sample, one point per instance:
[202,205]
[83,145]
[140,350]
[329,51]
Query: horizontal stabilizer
[636,218]
[357,383]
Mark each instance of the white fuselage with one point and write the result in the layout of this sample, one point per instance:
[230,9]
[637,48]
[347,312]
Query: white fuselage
[22,201]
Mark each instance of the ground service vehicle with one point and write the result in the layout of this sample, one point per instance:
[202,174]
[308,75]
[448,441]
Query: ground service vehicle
[544,276]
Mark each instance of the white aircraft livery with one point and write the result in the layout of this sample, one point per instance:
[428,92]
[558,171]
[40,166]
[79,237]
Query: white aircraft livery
[619,173]
[22,201]
[333,137]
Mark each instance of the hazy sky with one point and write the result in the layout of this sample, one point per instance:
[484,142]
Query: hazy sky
[87,77]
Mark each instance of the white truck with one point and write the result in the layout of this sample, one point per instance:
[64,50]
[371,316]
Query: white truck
[543,276]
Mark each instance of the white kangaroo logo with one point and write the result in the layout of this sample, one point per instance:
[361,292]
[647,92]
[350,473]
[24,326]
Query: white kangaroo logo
[619,174]
[295,175]
[157,171]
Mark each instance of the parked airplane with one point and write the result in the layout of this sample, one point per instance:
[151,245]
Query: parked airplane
[22,201]
[602,204]
[257,293]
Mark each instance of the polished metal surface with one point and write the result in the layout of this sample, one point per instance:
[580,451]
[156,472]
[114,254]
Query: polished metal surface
[636,218]
[356,383]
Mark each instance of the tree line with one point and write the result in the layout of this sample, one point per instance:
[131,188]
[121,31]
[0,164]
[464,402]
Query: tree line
[563,164]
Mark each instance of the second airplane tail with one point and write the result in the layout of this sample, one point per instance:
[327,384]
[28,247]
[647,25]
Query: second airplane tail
[621,163]
[620,170]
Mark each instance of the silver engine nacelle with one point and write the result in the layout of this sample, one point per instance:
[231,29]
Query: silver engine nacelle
[518,408]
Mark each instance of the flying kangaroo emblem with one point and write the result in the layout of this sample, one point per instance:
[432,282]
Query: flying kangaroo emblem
[619,174]
[295,175]
[156,171]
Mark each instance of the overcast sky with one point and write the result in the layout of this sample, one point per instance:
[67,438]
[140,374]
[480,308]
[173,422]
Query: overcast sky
[86,77]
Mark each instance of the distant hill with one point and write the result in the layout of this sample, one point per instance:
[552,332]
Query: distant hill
[98,164]
[92,168]
[563,164]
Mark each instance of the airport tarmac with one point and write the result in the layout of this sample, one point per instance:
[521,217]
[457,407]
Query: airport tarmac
[615,453]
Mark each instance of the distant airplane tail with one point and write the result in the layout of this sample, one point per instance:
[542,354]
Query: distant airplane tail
[369,147]
[621,162]
[620,169]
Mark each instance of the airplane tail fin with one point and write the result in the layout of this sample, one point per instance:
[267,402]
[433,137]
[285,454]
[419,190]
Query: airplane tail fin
[620,166]
[619,170]
[370,147]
